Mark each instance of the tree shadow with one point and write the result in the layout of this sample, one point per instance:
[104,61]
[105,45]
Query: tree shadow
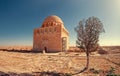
[48,73]
[113,62]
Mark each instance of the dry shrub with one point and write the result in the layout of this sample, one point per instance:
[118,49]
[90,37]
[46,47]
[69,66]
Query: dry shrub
[102,51]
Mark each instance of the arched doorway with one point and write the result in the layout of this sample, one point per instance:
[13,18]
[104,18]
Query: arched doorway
[45,48]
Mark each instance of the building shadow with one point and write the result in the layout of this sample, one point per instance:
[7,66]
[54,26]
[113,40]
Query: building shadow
[34,74]
[27,51]
[21,51]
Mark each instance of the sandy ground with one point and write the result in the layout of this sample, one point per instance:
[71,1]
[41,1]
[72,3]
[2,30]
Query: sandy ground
[68,63]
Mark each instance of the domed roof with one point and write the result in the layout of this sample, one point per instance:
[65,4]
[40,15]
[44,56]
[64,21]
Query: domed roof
[52,18]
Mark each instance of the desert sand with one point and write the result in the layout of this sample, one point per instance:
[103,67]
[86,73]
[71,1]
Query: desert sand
[71,62]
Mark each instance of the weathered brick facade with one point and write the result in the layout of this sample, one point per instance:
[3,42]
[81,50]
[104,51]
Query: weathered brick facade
[51,36]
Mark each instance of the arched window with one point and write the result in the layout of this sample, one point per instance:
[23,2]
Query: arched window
[45,30]
[37,32]
[47,25]
[40,30]
[43,25]
[55,29]
[50,29]
[52,23]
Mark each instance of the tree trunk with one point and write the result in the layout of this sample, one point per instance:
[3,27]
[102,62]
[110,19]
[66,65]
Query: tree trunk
[87,64]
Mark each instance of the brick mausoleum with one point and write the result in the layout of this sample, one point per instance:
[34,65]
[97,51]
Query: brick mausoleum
[51,36]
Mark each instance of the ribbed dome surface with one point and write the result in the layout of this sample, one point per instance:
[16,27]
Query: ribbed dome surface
[52,19]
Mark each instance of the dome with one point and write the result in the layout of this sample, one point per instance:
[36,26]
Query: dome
[53,19]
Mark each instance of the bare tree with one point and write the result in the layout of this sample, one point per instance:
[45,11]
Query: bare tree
[88,32]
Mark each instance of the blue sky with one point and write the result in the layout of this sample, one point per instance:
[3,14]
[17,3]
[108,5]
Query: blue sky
[18,18]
